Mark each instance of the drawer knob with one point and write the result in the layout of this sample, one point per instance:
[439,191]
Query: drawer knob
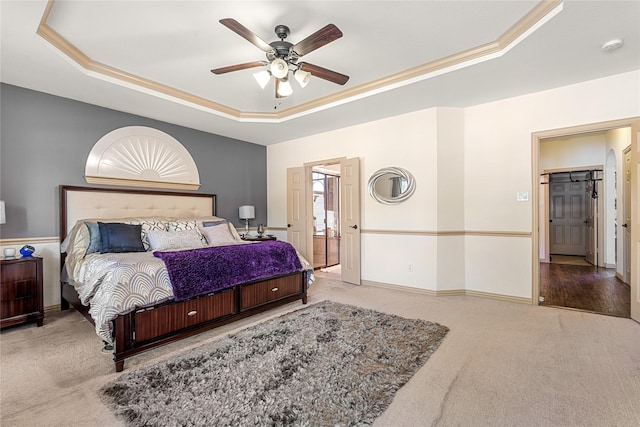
[274,289]
[192,313]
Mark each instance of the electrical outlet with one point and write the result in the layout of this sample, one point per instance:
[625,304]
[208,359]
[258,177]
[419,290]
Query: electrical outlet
[540,299]
[410,267]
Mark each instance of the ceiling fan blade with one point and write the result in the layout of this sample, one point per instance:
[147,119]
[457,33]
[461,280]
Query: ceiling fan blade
[238,67]
[323,73]
[244,32]
[323,36]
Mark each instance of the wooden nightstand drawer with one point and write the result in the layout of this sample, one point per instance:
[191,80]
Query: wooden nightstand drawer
[18,271]
[21,291]
[18,298]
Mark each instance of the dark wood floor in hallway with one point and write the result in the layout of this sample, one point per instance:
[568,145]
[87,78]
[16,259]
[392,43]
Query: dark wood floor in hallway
[584,288]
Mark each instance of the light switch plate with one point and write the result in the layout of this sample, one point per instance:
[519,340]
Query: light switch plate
[522,196]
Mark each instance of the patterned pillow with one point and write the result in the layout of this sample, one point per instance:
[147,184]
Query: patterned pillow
[185,224]
[174,240]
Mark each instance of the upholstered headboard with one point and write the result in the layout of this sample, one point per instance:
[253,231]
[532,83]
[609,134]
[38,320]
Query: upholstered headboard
[78,203]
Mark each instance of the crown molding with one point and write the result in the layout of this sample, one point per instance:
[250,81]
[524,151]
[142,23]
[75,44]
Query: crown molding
[543,12]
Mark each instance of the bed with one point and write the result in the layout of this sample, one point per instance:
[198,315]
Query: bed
[150,267]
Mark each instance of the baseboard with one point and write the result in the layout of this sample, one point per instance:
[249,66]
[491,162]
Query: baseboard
[499,297]
[389,286]
[51,308]
[448,292]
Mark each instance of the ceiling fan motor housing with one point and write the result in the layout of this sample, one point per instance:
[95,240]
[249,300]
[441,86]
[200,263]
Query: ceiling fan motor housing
[281,48]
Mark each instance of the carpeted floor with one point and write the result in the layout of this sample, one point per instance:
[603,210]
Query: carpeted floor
[501,364]
[326,364]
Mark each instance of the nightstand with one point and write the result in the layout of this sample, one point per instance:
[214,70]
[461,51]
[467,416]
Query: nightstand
[21,291]
[259,239]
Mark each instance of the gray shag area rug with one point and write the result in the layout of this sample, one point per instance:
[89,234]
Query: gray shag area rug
[327,364]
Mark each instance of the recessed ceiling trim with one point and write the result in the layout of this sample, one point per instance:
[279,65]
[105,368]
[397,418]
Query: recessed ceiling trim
[542,13]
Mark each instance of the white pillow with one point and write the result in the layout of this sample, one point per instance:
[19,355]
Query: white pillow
[173,240]
[218,235]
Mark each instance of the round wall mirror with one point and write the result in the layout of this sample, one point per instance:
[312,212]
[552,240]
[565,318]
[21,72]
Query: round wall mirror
[391,185]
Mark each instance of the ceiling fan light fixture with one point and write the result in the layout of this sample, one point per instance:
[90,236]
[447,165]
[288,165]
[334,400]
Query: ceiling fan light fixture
[262,77]
[302,77]
[279,68]
[284,88]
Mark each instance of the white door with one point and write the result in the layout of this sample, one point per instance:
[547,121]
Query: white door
[350,220]
[626,220]
[296,211]
[567,218]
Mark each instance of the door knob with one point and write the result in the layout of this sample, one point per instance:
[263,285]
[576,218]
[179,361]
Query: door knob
[625,225]
[355,227]
[288,225]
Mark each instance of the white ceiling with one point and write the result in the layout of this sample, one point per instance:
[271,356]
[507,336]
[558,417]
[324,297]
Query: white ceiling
[176,43]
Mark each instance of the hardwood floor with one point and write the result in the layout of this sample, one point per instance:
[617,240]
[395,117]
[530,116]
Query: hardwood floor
[591,289]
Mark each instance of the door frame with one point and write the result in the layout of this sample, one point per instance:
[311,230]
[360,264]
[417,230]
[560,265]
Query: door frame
[308,170]
[626,209]
[536,137]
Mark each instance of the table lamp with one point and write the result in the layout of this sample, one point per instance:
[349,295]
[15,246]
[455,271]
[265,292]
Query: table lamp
[246,212]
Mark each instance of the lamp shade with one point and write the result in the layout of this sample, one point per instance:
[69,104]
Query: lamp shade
[262,77]
[284,88]
[302,77]
[247,212]
[279,68]
[3,215]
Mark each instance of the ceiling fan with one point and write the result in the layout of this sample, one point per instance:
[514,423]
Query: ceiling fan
[282,57]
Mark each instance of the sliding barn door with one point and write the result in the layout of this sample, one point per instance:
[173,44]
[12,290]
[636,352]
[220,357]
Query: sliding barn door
[567,218]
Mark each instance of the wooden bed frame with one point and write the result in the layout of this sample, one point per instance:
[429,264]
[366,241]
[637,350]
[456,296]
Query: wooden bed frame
[149,327]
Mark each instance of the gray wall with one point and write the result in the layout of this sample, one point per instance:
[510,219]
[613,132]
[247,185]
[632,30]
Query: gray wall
[45,141]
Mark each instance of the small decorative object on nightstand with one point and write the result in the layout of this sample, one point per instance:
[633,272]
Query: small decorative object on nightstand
[260,230]
[21,291]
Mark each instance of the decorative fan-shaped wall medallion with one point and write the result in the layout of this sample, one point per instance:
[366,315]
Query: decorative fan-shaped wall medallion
[142,157]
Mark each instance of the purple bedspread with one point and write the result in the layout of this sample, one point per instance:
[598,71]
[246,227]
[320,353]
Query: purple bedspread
[201,271]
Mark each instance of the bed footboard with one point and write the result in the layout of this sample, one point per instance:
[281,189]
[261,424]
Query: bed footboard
[151,327]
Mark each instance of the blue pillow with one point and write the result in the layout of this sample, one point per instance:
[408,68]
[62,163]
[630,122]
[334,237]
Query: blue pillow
[94,237]
[116,237]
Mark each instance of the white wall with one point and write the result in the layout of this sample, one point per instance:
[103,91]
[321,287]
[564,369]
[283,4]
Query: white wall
[407,141]
[495,154]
